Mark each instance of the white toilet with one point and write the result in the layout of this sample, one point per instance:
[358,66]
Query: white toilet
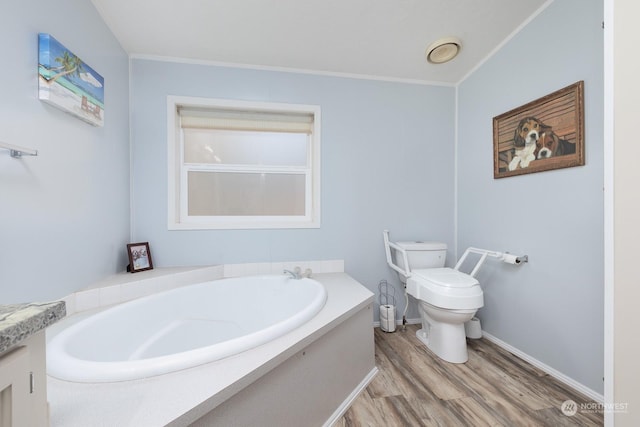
[447,298]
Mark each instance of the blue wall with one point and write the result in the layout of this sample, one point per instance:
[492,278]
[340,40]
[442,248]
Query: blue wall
[551,308]
[64,216]
[387,162]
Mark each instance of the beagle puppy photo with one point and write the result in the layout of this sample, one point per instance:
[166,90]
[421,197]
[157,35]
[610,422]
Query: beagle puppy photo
[541,135]
[551,145]
[525,140]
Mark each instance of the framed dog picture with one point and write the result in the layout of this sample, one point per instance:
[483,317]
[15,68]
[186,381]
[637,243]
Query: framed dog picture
[544,134]
[139,257]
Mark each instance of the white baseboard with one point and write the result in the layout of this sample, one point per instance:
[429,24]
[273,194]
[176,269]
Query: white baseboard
[597,397]
[399,322]
[351,398]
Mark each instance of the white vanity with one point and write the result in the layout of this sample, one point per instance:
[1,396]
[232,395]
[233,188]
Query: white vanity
[23,380]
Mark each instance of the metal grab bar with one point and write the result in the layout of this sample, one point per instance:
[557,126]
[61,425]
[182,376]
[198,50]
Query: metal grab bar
[388,245]
[17,151]
[484,253]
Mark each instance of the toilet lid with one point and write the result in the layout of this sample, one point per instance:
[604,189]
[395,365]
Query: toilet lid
[422,246]
[446,277]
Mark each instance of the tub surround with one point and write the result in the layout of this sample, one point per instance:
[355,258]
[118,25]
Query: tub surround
[308,386]
[124,286]
[18,322]
[208,389]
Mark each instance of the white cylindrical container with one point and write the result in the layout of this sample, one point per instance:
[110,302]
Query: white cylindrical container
[473,329]
[388,318]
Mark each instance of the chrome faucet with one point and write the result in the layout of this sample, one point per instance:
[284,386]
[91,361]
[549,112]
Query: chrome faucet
[298,274]
[295,274]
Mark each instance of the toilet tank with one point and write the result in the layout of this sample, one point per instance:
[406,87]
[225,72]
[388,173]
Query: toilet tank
[422,254]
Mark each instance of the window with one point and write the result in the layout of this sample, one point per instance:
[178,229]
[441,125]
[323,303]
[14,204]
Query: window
[236,164]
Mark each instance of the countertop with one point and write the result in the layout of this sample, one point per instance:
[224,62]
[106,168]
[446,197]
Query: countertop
[20,321]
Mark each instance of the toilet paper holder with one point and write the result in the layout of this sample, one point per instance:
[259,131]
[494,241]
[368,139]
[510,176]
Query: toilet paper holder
[513,259]
[387,297]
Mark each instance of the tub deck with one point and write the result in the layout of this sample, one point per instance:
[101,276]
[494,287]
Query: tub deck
[181,398]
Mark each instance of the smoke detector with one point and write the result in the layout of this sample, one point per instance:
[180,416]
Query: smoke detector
[443,50]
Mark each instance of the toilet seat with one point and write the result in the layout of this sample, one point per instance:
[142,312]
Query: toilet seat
[447,277]
[445,288]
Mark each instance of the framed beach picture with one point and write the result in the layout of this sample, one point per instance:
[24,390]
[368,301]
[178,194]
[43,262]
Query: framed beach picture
[67,83]
[544,134]
[139,257]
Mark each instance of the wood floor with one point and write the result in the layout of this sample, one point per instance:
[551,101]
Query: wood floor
[494,388]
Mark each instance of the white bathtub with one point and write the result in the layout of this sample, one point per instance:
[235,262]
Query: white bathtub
[182,328]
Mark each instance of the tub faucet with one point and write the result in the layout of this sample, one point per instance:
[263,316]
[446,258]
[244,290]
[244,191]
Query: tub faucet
[295,274]
[298,274]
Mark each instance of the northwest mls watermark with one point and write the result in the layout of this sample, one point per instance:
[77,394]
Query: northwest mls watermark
[570,408]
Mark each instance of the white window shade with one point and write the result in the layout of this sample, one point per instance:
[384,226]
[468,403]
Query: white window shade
[197,118]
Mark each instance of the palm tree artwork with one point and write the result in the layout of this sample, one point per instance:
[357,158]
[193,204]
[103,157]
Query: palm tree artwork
[69,64]
[68,83]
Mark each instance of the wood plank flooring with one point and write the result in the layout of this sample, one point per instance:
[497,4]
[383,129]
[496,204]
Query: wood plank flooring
[494,388]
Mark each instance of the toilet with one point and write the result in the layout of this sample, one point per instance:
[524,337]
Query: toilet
[447,298]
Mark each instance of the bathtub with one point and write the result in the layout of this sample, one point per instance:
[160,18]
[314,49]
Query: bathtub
[182,328]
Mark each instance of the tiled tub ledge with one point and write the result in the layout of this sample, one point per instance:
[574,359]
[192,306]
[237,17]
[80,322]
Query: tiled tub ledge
[18,322]
[123,287]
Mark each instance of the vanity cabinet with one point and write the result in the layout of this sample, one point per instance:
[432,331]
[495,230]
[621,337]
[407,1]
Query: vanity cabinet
[23,376]
[23,384]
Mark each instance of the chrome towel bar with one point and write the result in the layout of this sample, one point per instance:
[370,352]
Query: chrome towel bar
[16,151]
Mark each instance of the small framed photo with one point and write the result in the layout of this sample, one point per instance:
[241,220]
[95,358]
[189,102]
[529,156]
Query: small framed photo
[139,257]
[544,134]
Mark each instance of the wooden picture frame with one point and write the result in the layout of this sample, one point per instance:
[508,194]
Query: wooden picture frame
[544,134]
[139,257]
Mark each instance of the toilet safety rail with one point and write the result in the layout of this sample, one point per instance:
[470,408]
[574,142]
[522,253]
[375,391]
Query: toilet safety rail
[484,253]
[388,245]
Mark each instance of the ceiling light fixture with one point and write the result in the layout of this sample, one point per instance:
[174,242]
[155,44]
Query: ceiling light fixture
[443,50]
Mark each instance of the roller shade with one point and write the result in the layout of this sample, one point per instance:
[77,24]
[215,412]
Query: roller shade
[211,118]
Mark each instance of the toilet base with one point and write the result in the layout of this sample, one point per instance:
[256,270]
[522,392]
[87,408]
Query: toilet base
[452,350]
[443,332]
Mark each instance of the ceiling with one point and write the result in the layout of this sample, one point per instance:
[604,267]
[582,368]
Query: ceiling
[383,39]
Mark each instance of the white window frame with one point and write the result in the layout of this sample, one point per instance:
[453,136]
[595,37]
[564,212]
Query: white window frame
[177,200]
